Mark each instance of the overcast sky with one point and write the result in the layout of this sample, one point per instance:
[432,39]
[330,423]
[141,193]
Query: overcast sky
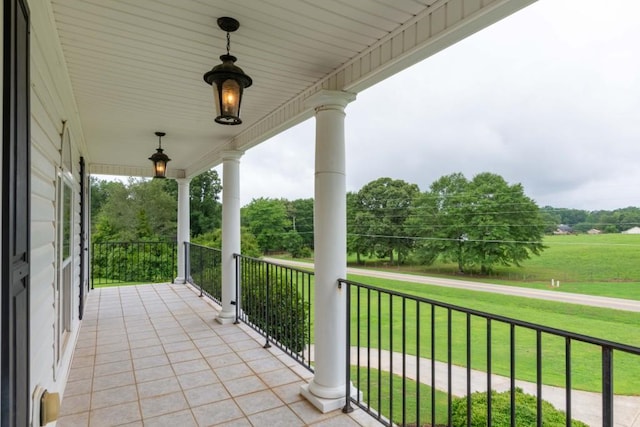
[549,97]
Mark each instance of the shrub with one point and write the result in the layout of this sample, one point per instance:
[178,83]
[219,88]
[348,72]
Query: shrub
[526,407]
[283,315]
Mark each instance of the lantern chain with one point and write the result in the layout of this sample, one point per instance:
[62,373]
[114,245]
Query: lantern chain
[228,42]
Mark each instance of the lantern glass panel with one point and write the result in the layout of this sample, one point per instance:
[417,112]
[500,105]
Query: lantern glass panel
[230,98]
[161,168]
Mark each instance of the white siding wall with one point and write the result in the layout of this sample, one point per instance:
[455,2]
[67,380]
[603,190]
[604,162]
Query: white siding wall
[51,103]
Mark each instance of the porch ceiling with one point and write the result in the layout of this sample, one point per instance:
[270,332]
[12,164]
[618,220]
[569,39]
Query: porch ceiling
[136,66]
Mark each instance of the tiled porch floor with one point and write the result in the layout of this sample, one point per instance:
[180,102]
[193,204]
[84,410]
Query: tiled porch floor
[153,355]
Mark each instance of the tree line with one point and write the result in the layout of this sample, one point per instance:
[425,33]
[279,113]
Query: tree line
[477,223]
[581,221]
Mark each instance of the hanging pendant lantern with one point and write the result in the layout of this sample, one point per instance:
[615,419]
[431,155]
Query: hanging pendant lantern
[228,80]
[159,159]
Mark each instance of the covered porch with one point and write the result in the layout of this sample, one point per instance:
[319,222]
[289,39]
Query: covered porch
[153,355]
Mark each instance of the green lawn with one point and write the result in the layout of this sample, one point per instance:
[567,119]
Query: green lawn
[108,283]
[604,265]
[383,392]
[607,324]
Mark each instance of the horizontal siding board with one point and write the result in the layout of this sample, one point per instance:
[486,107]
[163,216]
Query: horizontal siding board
[42,209]
[42,257]
[49,132]
[42,234]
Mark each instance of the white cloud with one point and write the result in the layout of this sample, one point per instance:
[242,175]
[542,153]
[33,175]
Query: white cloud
[549,97]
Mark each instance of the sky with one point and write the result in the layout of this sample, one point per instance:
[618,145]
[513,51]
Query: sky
[548,97]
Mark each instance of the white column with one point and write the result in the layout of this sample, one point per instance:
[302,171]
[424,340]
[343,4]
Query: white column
[327,389]
[184,227]
[230,232]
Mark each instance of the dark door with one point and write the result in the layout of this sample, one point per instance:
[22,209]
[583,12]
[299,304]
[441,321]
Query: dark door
[15,215]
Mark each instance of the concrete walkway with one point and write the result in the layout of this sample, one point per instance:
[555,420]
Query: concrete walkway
[589,300]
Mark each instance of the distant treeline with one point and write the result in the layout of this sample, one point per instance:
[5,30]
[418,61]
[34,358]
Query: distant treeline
[581,221]
[477,223]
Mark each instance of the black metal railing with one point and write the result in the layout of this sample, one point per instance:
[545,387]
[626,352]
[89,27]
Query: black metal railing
[442,355]
[204,270]
[276,302]
[132,262]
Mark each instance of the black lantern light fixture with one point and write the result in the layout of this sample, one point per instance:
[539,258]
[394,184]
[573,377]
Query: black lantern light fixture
[228,80]
[159,159]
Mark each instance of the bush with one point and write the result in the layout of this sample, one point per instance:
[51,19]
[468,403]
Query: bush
[283,315]
[526,406]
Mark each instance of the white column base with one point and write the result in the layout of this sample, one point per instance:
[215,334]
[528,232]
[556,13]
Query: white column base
[325,405]
[180,280]
[224,318]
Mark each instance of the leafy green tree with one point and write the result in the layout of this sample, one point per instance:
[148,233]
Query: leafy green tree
[483,222]
[440,218]
[294,244]
[213,239]
[551,219]
[356,240]
[100,192]
[381,209]
[205,209]
[571,217]
[267,219]
[139,210]
[301,213]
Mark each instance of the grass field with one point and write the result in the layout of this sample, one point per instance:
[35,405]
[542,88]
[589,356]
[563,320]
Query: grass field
[384,391]
[613,260]
[108,283]
[613,325]
[604,264]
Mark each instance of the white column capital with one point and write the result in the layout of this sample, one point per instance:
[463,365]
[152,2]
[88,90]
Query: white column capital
[329,99]
[183,181]
[232,155]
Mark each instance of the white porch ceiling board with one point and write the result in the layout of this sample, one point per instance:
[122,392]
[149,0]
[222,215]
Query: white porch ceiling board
[136,66]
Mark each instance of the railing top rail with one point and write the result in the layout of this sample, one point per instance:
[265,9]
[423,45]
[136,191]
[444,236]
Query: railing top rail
[547,329]
[299,270]
[203,246]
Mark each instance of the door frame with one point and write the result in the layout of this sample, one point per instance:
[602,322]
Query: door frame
[16,217]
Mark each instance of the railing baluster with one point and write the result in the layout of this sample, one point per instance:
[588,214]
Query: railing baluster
[347,405]
[266,308]
[379,354]
[357,331]
[607,387]
[489,396]
[468,370]
[404,360]
[539,378]
[238,297]
[512,373]
[391,357]
[433,364]
[418,381]
[567,373]
[449,385]
[368,348]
